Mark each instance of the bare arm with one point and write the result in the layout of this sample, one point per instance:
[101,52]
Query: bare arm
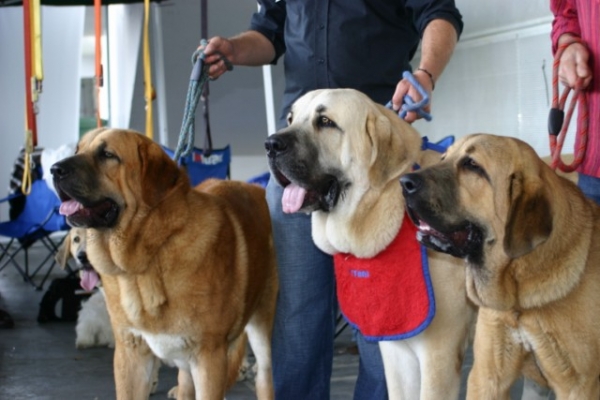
[439,41]
[249,48]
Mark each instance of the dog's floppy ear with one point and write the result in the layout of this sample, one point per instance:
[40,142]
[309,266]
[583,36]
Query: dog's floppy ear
[395,145]
[64,251]
[529,221]
[159,172]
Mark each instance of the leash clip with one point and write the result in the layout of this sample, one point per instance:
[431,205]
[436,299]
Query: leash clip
[409,104]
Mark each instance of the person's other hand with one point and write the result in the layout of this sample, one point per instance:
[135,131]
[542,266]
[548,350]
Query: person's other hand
[404,87]
[214,52]
[574,70]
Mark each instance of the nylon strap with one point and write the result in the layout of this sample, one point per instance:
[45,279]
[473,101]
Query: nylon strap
[149,93]
[208,146]
[33,83]
[37,68]
[99,70]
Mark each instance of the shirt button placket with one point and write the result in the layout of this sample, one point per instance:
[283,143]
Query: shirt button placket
[321,53]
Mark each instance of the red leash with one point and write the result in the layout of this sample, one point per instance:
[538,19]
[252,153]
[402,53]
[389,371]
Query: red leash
[29,102]
[99,81]
[558,123]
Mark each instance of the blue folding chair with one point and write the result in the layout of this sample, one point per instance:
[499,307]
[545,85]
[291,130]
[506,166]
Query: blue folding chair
[34,224]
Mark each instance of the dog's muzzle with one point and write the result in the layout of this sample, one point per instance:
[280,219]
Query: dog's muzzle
[293,164]
[80,209]
[462,239]
[278,144]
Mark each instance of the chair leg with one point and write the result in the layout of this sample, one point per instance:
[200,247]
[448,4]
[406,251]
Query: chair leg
[5,253]
[11,260]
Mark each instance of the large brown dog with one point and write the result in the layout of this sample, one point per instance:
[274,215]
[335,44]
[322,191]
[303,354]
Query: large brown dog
[186,272]
[531,242]
[340,158]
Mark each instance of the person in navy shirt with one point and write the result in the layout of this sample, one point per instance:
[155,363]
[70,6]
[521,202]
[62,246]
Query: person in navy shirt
[360,44]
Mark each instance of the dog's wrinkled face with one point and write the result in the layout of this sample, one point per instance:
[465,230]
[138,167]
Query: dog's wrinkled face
[105,178]
[485,202]
[336,139]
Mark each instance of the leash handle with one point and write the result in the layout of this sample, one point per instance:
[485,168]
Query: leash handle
[198,61]
[409,104]
[197,88]
[558,120]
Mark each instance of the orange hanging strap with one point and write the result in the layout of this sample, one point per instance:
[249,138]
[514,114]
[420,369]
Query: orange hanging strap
[30,110]
[99,70]
[149,93]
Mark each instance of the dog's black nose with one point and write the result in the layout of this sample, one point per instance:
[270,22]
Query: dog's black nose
[411,183]
[59,170]
[275,145]
[82,257]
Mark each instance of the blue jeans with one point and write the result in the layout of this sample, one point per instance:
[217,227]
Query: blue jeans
[306,314]
[590,186]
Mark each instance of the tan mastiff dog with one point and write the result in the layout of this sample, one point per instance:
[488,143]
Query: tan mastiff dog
[340,158]
[531,241]
[187,273]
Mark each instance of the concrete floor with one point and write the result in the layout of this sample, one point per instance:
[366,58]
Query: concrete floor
[40,361]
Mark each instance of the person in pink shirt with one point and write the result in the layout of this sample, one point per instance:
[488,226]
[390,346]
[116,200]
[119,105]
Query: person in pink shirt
[577,22]
[576,26]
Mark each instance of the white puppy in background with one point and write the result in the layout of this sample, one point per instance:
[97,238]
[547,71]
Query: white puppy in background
[93,323]
[93,327]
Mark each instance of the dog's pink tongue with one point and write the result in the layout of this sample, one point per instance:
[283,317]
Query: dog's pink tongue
[293,197]
[89,279]
[69,207]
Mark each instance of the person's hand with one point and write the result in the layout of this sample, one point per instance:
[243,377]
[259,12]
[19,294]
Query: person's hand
[404,87]
[574,70]
[214,52]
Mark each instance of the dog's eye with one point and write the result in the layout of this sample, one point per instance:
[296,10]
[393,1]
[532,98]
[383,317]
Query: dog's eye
[108,154]
[471,165]
[290,118]
[324,122]
[76,239]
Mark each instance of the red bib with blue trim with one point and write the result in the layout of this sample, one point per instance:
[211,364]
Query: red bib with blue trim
[389,296]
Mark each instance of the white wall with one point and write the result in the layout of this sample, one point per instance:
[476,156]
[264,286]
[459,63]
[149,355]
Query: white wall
[501,87]
[58,117]
[499,78]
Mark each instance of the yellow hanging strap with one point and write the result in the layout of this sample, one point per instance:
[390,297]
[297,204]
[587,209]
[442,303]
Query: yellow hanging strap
[37,69]
[149,93]
[27,162]
[34,76]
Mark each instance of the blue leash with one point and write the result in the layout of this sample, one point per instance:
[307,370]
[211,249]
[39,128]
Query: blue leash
[198,80]
[440,146]
[409,104]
